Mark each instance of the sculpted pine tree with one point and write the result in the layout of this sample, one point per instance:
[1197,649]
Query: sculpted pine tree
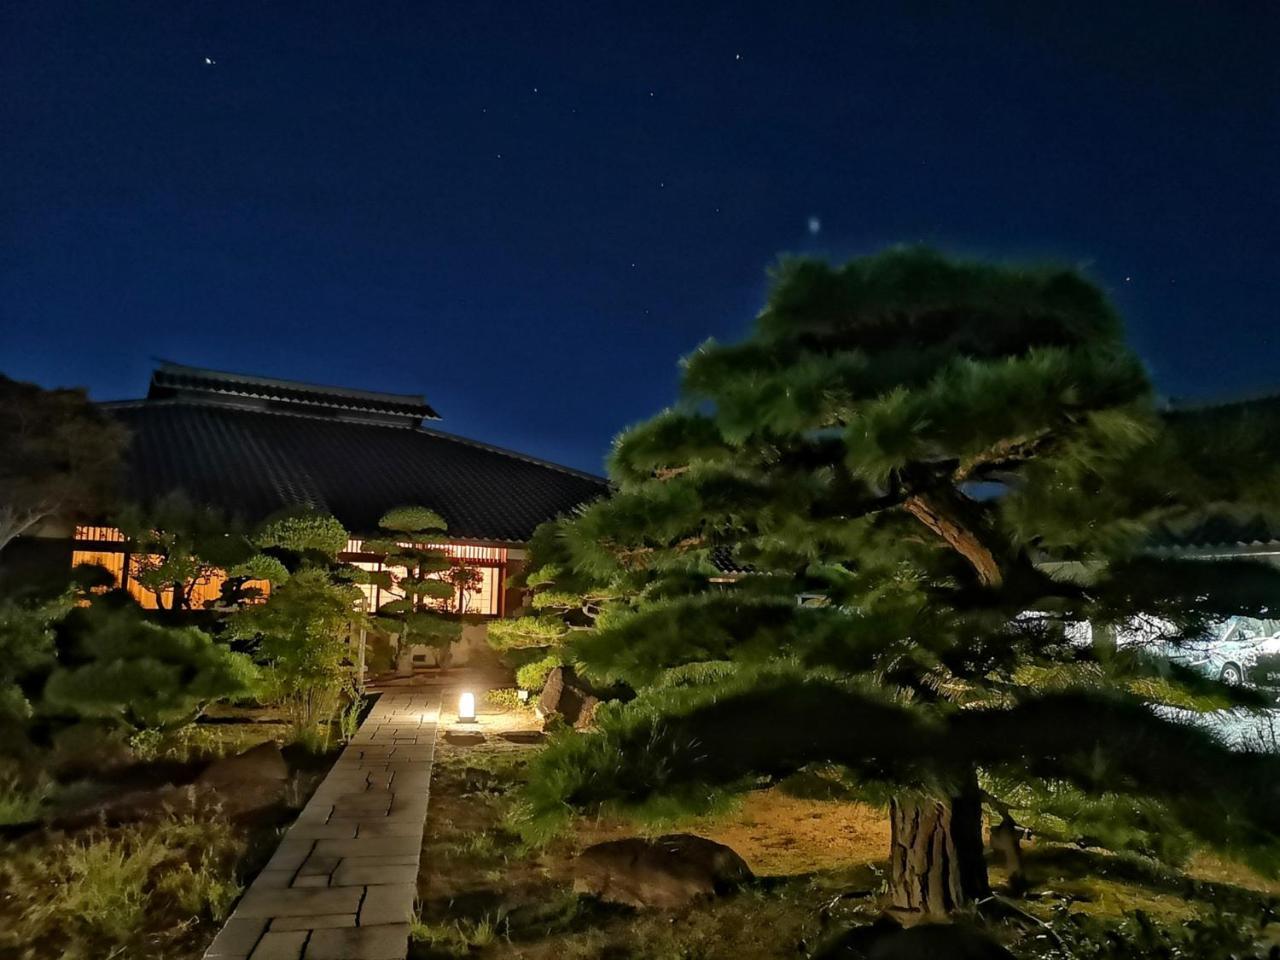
[866,546]
[434,591]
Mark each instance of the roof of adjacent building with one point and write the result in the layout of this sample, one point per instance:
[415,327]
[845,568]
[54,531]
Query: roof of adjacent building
[252,446]
[1221,533]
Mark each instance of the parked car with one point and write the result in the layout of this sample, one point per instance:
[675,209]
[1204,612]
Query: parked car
[1243,650]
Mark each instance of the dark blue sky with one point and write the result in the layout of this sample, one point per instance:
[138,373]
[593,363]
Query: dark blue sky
[528,211]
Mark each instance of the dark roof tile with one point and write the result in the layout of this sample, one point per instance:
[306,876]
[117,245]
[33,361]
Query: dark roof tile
[252,463]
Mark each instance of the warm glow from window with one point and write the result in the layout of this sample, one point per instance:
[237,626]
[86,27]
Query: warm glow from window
[101,534]
[485,600]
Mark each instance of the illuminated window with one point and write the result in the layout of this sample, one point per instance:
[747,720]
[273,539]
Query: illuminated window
[99,534]
[112,562]
[486,600]
[491,562]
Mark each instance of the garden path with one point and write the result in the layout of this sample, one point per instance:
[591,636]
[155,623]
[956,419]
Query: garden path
[342,883]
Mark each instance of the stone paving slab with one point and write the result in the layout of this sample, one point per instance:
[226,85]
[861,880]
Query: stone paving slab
[342,883]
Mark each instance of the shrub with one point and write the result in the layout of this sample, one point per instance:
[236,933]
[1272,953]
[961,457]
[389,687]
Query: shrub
[301,629]
[26,645]
[533,676]
[1138,936]
[303,532]
[144,674]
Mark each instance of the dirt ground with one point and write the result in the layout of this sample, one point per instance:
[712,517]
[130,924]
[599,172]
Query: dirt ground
[819,866]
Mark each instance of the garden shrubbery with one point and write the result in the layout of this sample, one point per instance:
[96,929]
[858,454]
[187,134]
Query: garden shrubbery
[103,891]
[100,703]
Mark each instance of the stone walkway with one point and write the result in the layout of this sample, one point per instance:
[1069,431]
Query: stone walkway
[342,883]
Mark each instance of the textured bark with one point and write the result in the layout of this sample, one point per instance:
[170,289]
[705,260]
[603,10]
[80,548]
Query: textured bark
[943,519]
[936,865]
[1006,844]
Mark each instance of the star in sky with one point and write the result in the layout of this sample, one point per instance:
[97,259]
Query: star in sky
[815,226]
[209,61]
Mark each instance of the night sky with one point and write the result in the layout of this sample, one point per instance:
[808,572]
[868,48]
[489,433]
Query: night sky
[528,211]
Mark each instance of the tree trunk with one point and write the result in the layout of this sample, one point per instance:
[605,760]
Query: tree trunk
[936,865]
[946,524]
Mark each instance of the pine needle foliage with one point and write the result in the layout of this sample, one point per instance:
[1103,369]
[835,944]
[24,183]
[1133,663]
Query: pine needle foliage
[922,475]
[433,590]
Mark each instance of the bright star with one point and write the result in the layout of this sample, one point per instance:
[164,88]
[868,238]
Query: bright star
[815,226]
[209,61]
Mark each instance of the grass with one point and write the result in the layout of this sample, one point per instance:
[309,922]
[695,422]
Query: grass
[21,802]
[820,866]
[457,937]
[75,895]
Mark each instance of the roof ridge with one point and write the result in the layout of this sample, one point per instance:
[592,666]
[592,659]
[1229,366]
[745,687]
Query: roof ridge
[259,385]
[303,412]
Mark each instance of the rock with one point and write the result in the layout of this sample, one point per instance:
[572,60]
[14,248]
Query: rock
[568,696]
[886,940]
[668,873]
[261,763]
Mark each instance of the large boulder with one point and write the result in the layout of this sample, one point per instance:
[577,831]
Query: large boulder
[567,696]
[886,940]
[263,763]
[667,873]
[574,699]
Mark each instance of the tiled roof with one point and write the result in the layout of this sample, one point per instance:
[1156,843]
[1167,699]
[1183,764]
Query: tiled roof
[176,380]
[1219,531]
[253,462]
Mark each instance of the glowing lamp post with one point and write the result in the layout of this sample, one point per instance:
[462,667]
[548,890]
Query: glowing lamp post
[467,708]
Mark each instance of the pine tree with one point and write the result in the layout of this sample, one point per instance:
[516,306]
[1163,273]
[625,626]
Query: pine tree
[434,589]
[300,631]
[558,604]
[124,668]
[927,477]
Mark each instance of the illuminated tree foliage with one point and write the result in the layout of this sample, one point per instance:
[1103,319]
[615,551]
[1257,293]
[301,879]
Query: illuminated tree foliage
[434,591]
[178,546]
[559,604]
[923,475]
[300,631]
[126,669]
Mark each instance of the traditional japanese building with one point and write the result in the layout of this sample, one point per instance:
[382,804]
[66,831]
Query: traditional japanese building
[252,446]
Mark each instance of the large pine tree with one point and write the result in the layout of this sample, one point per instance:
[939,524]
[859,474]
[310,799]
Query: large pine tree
[867,543]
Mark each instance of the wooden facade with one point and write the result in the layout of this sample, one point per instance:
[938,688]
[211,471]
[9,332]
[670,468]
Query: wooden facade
[108,548]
